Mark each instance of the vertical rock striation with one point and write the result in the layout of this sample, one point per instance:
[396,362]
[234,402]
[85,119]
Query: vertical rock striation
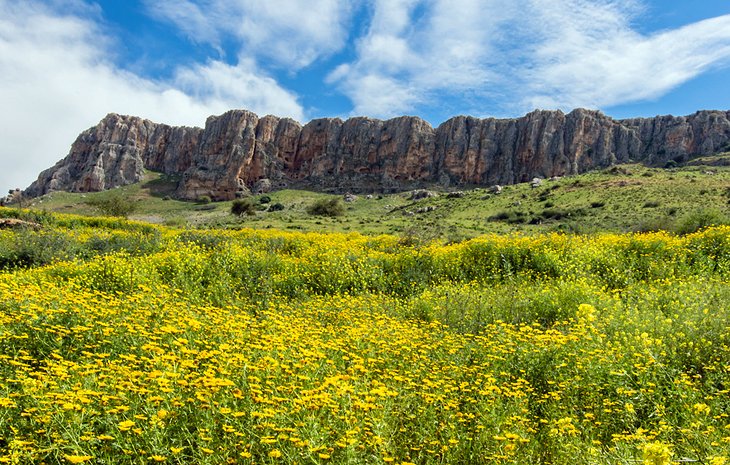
[237,150]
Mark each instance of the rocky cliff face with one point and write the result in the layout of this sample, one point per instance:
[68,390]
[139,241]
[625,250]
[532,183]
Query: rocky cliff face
[237,150]
[116,152]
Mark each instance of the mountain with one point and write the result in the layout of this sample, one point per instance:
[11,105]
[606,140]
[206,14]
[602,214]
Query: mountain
[238,151]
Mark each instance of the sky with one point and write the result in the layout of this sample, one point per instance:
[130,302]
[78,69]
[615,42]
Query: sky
[65,64]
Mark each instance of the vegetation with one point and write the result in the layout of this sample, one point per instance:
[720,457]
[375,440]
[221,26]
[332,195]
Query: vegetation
[699,219]
[276,207]
[113,205]
[242,207]
[123,342]
[327,207]
[609,200]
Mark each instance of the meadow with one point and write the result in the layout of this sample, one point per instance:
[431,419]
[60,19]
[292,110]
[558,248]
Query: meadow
[123,342]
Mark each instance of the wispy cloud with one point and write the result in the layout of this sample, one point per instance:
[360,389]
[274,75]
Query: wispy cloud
[56,80]
[289,33]
[588,54]
[516,56]
[417,50]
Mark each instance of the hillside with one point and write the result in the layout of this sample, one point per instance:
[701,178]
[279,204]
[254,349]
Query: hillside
[619,199]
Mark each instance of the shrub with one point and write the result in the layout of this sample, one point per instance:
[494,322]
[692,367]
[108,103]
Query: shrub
[242,207]
[701,219]
[325,207]
[275,207]
[663,223]
[500,216]
[113,205]
[554,214]
[264,199]
[203,199]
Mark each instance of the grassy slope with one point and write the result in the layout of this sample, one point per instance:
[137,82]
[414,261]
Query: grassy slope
[624,198]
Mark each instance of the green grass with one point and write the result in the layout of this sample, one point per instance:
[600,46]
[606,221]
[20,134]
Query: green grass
[619,199]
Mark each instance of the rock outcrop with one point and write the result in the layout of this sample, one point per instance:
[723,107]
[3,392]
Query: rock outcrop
[115,153]
[238,150]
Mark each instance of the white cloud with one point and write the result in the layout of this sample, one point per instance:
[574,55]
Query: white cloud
[199,27]
[218,84]
[587,54]
[516,56]
[56,82]
[290,33]
[420,48]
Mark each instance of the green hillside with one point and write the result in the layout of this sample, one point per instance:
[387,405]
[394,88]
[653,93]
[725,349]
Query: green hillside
[619,199]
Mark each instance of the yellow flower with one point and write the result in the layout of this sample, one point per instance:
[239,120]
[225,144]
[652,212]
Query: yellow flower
[656,453]
[701,408]
[586,312]
[275,454]
[125,425]
[78,458]
[324,456]
[159,458]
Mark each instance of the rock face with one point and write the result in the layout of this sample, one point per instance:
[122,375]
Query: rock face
[115,153]
[238,150]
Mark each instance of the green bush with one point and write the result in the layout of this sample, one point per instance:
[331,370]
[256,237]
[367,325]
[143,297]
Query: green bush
[264,199]
[325,207]
[701,219]
[113,205]
[242,207]
[275,207]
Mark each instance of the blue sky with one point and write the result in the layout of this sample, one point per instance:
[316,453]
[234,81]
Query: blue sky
[64,64]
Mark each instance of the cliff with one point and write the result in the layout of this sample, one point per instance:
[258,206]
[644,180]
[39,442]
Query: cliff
[239,151]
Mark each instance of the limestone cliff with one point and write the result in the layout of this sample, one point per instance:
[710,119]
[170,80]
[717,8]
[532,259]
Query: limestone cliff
[237,150]
[115,152]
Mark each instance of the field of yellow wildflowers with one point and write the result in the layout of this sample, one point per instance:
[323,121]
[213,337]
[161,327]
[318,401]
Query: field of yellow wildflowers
[122,342]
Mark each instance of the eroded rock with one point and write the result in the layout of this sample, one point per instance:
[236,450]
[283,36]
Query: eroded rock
[237,150]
